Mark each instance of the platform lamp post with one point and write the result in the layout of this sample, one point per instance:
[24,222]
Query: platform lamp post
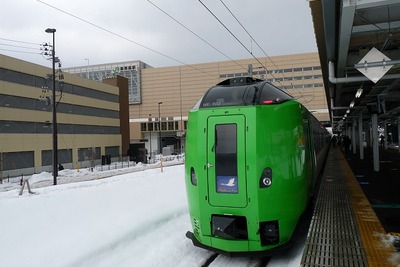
[150,129]
[54,111]
[159,125]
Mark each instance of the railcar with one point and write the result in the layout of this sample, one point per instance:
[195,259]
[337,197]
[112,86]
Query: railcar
[252,157]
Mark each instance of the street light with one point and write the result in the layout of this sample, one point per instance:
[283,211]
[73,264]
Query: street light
[159,124]
[150,120]
[87,68]
[53,100]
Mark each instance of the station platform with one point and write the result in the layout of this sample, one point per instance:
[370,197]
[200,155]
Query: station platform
[345,230]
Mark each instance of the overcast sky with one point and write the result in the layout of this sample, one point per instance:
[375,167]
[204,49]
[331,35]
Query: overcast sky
[101,31]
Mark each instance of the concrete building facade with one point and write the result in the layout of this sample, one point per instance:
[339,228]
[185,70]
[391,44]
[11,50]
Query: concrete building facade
[92,118]
[128,69]
[168,93]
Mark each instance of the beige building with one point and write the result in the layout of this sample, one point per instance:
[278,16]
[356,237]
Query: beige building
[170,92]
[92,118]
[95,119]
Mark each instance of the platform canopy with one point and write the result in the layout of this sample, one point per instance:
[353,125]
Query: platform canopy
[359,47]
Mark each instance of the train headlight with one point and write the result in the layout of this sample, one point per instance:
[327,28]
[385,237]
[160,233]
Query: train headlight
[266,178]
[267,181]
[193,177]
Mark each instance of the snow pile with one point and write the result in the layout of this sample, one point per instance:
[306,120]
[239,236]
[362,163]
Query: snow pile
[135,219]
[119,221]
[389,240]
[86,174]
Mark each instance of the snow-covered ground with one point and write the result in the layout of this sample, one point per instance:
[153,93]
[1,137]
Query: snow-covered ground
[134,219]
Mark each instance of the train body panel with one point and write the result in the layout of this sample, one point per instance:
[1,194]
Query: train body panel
[249,173]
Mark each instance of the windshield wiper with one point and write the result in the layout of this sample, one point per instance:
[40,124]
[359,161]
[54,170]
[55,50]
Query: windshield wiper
[255,96]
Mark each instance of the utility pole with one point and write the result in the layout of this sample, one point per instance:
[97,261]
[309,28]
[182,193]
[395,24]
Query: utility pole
[54,111]
[1,167]
[250,70]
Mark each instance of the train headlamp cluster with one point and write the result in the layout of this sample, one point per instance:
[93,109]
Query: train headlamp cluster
[193,177]
[266,178]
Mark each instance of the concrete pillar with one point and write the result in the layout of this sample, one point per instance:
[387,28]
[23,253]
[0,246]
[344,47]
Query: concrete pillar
[398,132]
[375,141]
[353,137]
[371,139]
[385,135]
[360,136]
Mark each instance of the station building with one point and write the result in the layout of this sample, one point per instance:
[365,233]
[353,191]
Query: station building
[141,114]
[168,93]
[92,118]
[128,69]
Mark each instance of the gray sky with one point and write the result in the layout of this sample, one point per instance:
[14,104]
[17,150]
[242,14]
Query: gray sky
[110,31]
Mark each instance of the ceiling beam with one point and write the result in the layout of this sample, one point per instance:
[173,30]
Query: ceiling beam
[361,4]
[345,30]
[384,26]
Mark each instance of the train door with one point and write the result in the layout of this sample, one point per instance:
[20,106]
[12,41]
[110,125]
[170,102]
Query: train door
[310,160]
[226,161]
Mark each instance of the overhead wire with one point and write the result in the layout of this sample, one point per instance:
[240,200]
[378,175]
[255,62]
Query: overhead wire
[19,48]
[195,34]
[17,41]
[252,38]
[20,51]
[120,36]
[234,36]
[237,39]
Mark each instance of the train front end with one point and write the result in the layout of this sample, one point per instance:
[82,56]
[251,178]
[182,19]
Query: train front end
[246,167]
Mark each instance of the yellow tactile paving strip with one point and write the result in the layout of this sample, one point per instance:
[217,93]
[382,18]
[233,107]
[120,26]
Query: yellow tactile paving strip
[370,228]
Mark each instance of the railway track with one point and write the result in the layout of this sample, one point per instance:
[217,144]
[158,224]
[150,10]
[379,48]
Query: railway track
[220,260]
[210,260]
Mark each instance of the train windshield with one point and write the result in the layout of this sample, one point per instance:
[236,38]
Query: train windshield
[254,94]
[221,96]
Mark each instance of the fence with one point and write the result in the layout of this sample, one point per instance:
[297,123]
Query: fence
[116,163]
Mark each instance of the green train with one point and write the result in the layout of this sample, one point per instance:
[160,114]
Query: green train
[252,157]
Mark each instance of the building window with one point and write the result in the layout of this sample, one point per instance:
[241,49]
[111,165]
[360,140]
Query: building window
[150,126]
[18,160]
[143,127]
[113,151]
[88,153]
[171,125]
